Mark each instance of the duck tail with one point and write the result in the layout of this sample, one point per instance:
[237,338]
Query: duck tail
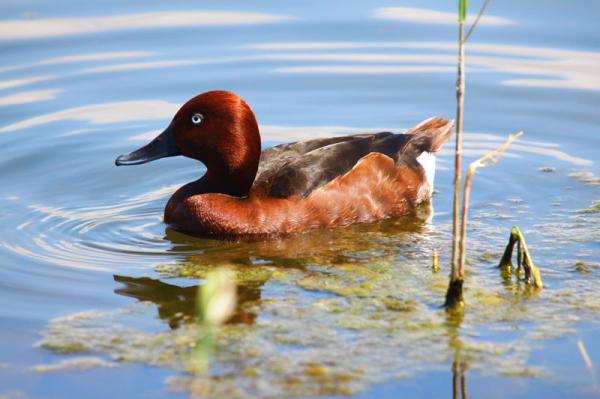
[423,142]
[427,136]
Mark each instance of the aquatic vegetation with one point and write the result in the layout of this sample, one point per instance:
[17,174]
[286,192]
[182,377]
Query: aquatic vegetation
[585,267]
[64,348]
[335,323]
[524,261]
[76,363]
[242,274]
[454,294]
[586,177]
[595,208]
[215,304]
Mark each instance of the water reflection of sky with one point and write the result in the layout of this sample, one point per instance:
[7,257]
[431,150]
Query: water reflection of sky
[540,67]
[567,69]
[131,111]
[427,16]
[49,27]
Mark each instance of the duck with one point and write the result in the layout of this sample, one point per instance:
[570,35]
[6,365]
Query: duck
[248,193]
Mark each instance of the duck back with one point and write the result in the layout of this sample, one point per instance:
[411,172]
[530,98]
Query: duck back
[299,168]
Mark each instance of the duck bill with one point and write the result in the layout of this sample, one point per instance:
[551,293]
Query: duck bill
[161,147]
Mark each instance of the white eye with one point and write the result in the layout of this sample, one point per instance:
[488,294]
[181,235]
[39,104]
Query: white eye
[197,119]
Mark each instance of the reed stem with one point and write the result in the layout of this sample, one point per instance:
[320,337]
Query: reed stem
[454,295]
[460,93]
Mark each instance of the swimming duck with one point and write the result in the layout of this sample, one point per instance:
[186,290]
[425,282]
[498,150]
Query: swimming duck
[290,188]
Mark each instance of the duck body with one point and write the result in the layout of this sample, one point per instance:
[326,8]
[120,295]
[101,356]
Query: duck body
[290,188]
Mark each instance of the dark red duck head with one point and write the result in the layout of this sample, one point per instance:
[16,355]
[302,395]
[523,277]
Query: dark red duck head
[217,128]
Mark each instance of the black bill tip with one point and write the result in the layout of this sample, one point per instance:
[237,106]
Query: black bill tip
[121,160]
[161,147]
[126,159]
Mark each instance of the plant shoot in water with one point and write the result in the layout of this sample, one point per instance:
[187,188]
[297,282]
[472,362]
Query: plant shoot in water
[215,303]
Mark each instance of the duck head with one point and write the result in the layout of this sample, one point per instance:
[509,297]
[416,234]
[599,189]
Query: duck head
[217,128]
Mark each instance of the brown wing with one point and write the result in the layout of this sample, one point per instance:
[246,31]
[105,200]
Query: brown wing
[297,169]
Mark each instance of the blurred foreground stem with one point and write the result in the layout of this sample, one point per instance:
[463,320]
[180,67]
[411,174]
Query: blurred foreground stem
[216,302]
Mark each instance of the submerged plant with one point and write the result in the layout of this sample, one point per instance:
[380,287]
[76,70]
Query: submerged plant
[435,262]
[215,303]
[524,261]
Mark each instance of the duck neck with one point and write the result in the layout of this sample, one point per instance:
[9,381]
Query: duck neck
[236,184]
[231,170]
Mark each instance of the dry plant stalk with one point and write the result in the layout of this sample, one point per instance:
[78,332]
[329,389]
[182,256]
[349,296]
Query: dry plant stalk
[586,358]
[488,159]
[460,95]
[454,295]
[532,273]
[588,364]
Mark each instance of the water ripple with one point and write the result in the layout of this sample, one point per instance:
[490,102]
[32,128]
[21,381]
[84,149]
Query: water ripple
[48,27]
[95,238]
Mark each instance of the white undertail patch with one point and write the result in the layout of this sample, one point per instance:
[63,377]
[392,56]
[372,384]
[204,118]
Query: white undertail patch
[427,161]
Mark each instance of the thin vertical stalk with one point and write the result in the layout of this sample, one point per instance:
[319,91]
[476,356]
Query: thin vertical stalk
[460,93]
[487,160]
[454,294]
[463,223]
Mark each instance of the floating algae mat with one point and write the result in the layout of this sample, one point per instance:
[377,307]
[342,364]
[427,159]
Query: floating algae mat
[332,312]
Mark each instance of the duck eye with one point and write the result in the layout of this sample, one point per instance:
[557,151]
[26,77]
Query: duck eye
[197,119]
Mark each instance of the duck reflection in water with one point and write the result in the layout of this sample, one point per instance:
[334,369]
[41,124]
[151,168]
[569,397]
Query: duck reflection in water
[177,304]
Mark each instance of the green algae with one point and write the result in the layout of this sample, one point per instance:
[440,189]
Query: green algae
[399,305]
[358,306]
[585,267]
[336,286]
[595,209]
[65,348]
[330,305]
[74,364]
[487,298]
[243,274]
[486,256]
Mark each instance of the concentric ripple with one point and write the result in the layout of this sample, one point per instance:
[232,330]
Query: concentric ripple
[96,237]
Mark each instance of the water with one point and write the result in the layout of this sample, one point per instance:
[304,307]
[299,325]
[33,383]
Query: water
[88,266]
